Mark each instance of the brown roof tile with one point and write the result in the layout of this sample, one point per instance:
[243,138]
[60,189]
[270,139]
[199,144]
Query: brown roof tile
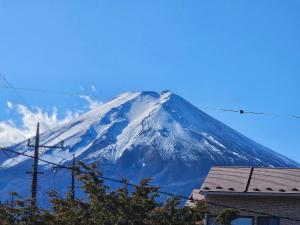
[260,180]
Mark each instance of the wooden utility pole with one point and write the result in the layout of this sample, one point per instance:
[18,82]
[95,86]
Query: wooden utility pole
[72,168]
[35,168]
[73,179]
[35,171]
[12,201]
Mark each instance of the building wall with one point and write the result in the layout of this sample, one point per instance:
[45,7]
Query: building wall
[279,206]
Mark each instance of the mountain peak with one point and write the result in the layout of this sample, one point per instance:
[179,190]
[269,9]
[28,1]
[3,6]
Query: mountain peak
[150,134]
[166,92]
[149,93]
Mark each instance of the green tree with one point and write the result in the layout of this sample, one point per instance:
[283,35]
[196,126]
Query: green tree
[227,216]
[127,205]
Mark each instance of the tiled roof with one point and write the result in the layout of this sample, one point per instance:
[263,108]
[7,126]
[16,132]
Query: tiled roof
[252,180]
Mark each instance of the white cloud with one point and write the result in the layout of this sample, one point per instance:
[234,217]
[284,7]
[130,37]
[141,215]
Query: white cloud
[93,103]
[10,133]
[9,105]
[94,88]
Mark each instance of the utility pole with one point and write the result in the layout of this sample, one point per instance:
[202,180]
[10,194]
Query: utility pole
[73,168]
[35,167]
[35,171]
[12,201]
[73,179]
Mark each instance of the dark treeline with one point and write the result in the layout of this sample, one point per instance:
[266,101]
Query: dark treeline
[102,206]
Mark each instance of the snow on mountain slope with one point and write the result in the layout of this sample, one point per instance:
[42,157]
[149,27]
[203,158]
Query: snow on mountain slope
[144,134]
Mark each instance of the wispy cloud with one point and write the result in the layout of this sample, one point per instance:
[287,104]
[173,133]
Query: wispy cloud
[9,105]
[11,132]
[94,88]
[93,103]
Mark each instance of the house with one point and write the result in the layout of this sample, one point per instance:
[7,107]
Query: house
[264,196]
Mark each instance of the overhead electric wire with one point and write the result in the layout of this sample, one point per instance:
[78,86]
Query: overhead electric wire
[14,91]
[158,191]
[43,91]
[10,157]
[10,87]
[239,111]
[245,112]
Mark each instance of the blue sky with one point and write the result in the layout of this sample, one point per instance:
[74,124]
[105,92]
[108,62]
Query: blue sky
[230,54]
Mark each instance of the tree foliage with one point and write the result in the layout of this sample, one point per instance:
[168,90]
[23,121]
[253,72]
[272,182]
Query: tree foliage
[126,205]
[227,216]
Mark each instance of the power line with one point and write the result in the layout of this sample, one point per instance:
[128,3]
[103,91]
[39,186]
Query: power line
[10,157]
[7,85]
[239,111]
[14,91]
[158,191]
[35,166]
[43,91]
[245,112]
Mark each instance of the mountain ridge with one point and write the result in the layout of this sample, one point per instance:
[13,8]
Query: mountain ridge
[146,134]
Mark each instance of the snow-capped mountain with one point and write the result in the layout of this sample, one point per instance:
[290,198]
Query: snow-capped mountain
[138,135]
